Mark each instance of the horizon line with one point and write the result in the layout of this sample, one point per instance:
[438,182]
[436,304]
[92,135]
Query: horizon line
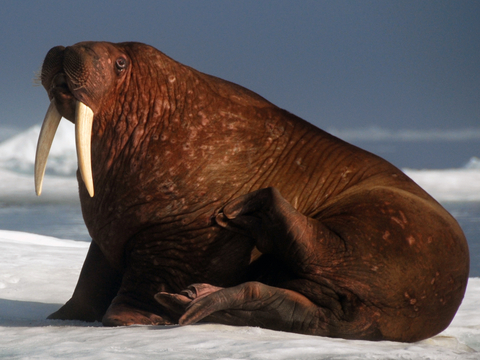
[376,133]
[367,133]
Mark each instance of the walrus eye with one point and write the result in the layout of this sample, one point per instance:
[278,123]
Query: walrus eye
[121,64]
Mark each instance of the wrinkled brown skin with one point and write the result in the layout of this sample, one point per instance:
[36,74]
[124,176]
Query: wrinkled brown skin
[212,204]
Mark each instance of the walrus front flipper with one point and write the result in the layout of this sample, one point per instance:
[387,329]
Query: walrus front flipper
[97,286]
[125,311]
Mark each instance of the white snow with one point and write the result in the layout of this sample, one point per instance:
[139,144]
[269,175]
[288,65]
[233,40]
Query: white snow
[375,133]
[17,158]
[38,274]
[18,153]
[450,184]
[20,188]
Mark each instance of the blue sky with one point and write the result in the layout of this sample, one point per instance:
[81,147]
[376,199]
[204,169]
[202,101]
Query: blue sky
[338,64]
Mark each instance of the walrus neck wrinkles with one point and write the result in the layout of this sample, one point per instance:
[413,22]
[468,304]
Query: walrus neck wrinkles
[132,118]
[151,107]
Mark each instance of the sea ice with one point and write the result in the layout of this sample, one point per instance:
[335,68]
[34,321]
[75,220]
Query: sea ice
[38,274]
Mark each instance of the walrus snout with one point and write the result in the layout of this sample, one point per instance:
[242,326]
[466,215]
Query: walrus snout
[56,82]
[65,76]
[71,60]
[76,79]
[73,73]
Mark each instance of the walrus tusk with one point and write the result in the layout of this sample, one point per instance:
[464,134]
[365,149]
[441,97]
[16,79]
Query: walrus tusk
[83,134]
[45,139]
[83,138]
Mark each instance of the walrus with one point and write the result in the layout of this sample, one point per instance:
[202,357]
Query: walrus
[207,203]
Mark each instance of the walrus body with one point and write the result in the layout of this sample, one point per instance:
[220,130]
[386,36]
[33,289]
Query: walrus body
[212,204]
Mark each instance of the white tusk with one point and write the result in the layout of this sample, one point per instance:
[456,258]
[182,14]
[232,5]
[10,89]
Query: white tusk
[83,139]
[45,139]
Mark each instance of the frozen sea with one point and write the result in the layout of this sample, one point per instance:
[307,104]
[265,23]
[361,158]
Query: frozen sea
[43,243]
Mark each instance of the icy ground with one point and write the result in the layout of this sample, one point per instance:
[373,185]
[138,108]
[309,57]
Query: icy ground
[38,273]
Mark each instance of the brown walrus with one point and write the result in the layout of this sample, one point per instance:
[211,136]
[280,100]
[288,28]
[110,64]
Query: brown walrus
[212,204]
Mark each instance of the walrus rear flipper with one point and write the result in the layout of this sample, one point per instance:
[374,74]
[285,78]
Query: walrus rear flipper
[256,304]
[366,276]
[293,239]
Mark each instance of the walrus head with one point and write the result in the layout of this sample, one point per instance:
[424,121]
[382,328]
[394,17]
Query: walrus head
[77,78]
